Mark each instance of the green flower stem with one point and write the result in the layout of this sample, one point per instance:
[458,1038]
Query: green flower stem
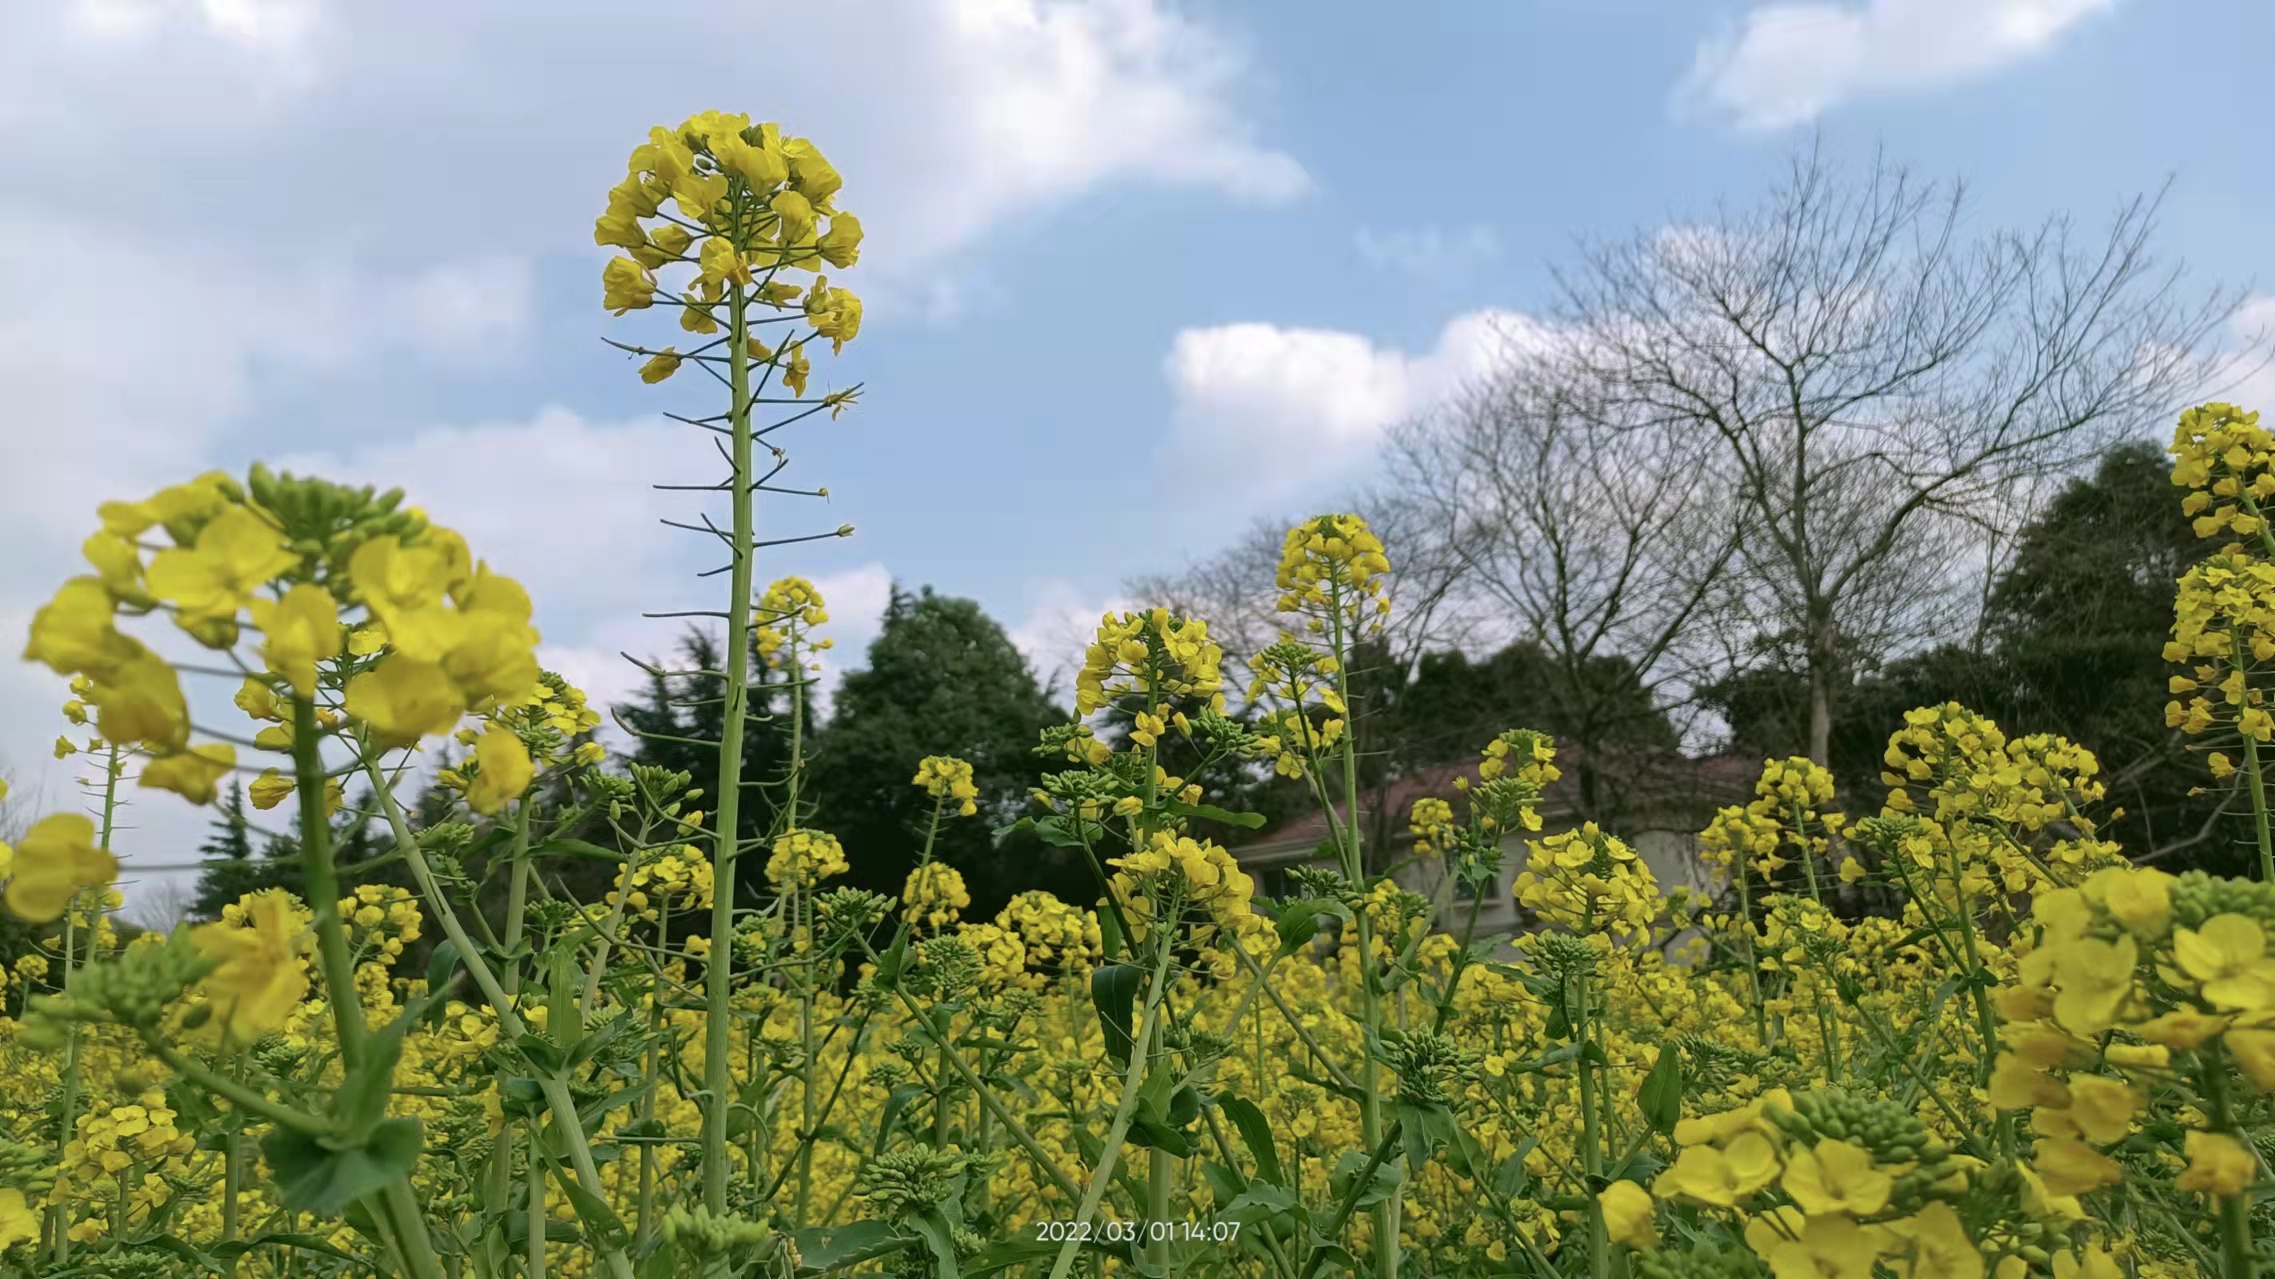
[718,993]
[1375,1161]
[1978,984]
[808,1106]
[1133,1081]
[606,932]
[829,1104]
[1746,944]
[517,908]
[2236,1247]
[322,881]
[1295,1023]
[534,1267]
[1808,856]
[1591,1131]
[236,1094]
[2254,778]
[1160,1168]
[557,1095]
[808,1112]
[70,1112]
[517,897]
[232,1175]
[399,1206]
[1033,1148]
[1386,1214]
[323,884]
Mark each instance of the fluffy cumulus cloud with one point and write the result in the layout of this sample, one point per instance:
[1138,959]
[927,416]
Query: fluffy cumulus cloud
[295,191]
[1787,62]
[1266,411]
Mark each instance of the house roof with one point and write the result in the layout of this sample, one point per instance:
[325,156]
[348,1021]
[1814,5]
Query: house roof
[1677,789]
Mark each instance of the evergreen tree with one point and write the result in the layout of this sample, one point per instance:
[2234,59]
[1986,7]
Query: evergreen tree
[230,866]
[2073,644]
[942,679]
[678,725]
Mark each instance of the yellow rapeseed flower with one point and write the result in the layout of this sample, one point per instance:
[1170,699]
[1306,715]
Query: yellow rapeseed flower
[53,861]
[503,770]
[260,975]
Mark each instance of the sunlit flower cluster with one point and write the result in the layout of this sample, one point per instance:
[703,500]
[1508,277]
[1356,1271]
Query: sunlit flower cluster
[1151,655]
[948,779]
[1334,569]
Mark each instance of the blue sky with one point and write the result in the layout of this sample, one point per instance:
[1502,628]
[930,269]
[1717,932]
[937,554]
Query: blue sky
[1139,271]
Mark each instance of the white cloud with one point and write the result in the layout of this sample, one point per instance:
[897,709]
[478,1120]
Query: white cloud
[309,214]
[1267,410]
[1056,98]
[1429,253]
[949,118]
[1056,628]
[277,26]
[856,599]
[1789,61]
[464,312]
[559,503]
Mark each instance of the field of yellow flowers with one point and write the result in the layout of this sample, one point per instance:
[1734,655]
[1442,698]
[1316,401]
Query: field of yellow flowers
[1963,1037]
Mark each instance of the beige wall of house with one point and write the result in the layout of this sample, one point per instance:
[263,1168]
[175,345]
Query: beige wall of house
[1671,853]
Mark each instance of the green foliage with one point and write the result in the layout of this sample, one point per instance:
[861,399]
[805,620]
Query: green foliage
[679,719]
[2072,643]
[232,868]
[942,679]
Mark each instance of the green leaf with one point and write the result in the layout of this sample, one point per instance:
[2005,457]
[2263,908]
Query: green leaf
[1109,933]
[1210,812]
[361,1101]
[594,1211]
[1661,1095]
[1019,1250]
[312,1176]
[542,1052]
[1415,1135]
[663,1263]
[1061,831]
[1299,921]
[841,1247]
[937,1236]
[1184,1106]
[520,1096]
[1113,990]
[283,1239]
[168,1243]
[1512,1176]
[1225,1184]
[1384,1184]
[440,968]
[895,1104]
[892,963]
[1256,1134]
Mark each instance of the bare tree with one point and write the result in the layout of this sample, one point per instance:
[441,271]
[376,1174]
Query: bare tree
[17,806]
[1878,381]
[1236,591]
[1598,540]
[1232,590]
[163,902]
